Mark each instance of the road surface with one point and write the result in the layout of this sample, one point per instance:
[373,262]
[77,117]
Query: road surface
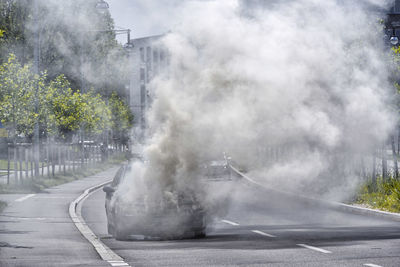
[257,229]
[262,229]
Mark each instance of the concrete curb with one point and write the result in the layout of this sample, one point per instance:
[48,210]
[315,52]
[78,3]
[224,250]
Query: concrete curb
[105,252]
[329,204]
[368,212]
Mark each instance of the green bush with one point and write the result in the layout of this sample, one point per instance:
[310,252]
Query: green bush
[382,194]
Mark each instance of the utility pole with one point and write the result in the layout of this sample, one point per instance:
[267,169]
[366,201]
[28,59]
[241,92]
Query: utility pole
[36,61]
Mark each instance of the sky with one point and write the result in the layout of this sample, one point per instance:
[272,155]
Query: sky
[143,17]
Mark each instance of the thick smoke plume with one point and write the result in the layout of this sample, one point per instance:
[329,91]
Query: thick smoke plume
[293,91]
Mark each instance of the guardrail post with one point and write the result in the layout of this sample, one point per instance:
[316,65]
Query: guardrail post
[26,150]
[8,163]
[48,158]
[384,162]
[53,163]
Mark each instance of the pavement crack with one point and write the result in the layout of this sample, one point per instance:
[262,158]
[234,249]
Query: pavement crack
[7,245]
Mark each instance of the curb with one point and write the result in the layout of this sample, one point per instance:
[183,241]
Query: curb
[105,252]
[330,204]
[367,211]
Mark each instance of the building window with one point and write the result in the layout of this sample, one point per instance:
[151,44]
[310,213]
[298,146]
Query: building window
[141,54]
[148,64]
[162,56]
[142,74]
[142,105]
[148,54]
[397,6]
[155,61]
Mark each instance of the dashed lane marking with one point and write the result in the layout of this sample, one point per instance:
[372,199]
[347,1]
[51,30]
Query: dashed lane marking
[118,263]
[371,265]
[315,248]
[230,222]
[24,198]
[262,233]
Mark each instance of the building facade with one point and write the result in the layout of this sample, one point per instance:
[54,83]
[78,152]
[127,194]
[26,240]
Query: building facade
[147,60]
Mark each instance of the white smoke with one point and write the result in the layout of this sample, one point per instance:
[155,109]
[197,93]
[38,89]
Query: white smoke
[306,77]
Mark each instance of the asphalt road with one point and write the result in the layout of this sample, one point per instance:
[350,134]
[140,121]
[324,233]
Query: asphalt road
[256,229]
[262,229]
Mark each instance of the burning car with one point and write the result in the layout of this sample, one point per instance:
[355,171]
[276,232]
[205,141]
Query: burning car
[178,215]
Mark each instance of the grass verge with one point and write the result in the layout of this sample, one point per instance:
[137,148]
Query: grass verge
[39,184]
[382,194]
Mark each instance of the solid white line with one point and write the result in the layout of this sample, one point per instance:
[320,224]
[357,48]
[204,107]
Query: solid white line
[315,248]
[371,265]
[230,222]
[262,233]
[24,198]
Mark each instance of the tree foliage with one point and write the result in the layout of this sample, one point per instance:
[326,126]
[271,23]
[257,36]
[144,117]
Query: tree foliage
[61,111]
[16,92]
[121,118]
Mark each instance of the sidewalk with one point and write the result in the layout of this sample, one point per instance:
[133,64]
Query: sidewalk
[36,229]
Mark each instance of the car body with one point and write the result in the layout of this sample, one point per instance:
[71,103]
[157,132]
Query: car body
[182,217]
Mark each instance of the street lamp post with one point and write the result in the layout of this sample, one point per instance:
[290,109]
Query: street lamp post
[102,6]
[36,60]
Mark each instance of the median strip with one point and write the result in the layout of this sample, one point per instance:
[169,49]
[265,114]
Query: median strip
[315,248]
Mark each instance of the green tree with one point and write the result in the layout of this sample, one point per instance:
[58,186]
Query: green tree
[121,120]
[96,114]
[16,93]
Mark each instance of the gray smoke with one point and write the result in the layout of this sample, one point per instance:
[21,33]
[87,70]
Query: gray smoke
[293,91]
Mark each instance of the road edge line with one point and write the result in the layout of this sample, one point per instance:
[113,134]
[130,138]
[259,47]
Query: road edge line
[104,251]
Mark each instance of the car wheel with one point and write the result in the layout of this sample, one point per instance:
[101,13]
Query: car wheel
[118,229]
[119,233]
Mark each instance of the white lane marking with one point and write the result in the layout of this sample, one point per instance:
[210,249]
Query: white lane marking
[230,222]
[118,263]
[262,233]
[315,248]
[57,197]
[371,265]
[24,198]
